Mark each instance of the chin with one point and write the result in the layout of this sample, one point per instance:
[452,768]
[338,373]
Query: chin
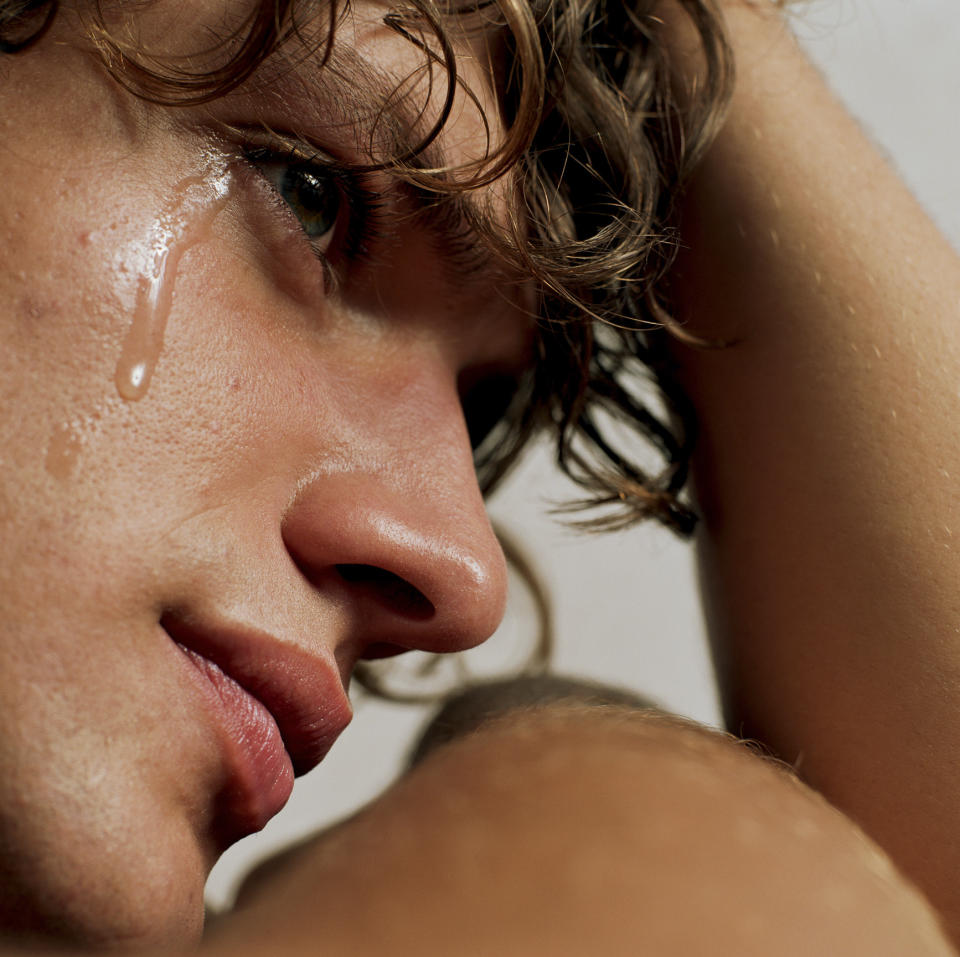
[150,903]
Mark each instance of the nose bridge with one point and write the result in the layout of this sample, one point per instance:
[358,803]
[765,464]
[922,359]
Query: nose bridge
[395,526]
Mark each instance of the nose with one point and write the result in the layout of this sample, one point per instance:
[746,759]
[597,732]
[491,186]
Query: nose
[395,530]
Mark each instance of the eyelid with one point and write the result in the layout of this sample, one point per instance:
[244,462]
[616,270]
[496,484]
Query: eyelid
[286,146]
[366,208]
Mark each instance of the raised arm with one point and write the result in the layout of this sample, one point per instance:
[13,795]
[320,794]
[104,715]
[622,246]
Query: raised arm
[828,465]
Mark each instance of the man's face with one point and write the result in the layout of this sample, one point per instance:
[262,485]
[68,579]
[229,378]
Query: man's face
[232,457]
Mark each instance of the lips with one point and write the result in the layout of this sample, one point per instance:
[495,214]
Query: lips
[277,707]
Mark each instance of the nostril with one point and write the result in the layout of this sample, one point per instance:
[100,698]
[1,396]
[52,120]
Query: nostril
[398,595]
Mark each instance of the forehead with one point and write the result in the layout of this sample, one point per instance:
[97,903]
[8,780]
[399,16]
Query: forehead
[426,86]
[391,72]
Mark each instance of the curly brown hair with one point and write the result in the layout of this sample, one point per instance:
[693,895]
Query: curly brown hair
[596,150]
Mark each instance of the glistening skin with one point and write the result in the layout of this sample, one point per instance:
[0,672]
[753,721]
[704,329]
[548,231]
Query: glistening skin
[235,418]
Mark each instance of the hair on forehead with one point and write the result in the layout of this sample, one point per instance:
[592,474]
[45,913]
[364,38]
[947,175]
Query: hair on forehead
[353,96]
[594,150]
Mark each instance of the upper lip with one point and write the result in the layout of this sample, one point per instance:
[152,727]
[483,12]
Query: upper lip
[301,689]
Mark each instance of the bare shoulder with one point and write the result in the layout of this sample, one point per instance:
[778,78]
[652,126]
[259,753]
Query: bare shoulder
[569,830]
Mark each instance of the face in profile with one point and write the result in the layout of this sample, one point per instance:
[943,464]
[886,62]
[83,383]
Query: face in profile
[234,457]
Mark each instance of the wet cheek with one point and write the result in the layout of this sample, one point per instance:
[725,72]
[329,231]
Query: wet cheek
[185,222]
[231,408]
[57,331]
[156,347]
[65,287]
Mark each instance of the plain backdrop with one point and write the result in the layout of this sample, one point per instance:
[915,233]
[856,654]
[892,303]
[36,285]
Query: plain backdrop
[626,605]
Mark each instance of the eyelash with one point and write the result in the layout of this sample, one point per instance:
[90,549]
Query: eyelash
[368,221]
[365,205]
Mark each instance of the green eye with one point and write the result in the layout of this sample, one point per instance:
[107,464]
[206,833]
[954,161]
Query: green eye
[313,194]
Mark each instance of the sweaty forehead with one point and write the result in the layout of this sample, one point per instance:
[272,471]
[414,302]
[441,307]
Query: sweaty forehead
[388,62]
[387,75]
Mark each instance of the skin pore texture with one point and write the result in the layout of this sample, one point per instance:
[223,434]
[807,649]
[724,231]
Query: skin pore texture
[235,462]
[211,441]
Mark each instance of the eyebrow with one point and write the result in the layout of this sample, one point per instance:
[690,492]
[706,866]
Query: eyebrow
[349,90]
[347,93]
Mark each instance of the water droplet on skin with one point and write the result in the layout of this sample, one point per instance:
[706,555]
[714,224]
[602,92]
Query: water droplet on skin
[197,202]
[62,452]
[68,442]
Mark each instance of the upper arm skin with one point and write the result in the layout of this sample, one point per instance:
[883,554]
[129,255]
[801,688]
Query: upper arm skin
[827,470]
[573,831]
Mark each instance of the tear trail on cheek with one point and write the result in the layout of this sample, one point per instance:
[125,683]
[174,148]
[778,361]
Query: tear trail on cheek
[197,201]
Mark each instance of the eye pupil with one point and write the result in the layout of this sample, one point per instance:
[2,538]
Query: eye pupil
[315,199]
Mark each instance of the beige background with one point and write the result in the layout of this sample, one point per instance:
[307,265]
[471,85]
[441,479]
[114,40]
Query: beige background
[626,605]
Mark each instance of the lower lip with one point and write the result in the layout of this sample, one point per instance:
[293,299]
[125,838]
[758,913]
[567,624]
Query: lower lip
[261,773]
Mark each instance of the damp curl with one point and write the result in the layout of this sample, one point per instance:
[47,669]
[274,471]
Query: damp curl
[595,154]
